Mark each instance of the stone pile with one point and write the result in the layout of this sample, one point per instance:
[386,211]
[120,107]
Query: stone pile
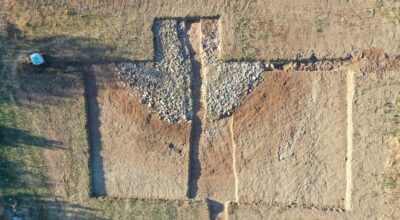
[228,83]
[164,85]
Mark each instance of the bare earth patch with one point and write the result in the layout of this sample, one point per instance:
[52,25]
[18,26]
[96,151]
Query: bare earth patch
[200,109]
[138,158]
[290,140]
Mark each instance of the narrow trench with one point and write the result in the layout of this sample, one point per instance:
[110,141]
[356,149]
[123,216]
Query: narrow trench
[193,35]
[93,123]
[198,95]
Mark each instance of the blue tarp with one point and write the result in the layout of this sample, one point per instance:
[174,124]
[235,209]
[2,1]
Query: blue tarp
[36,59]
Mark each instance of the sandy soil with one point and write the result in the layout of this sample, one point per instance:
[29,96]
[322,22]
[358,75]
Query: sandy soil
[311,145]
[376,144]
[214,173]
[235,212]
[217,178]
[290,146]
[141,156]
[362,193]
[290,138]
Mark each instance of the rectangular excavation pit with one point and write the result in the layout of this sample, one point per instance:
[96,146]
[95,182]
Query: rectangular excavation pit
[133,154]
[290,141]
[285,145]
[174,88]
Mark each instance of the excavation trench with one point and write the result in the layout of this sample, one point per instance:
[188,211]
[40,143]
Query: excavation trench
[216,88]
[193,34]
[202,154]
[93,124]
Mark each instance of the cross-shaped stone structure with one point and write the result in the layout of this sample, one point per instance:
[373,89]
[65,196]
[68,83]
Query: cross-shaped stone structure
[184,61]
[187,81]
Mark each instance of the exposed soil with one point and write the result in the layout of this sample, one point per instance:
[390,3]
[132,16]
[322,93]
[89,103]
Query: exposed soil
[291,123]
[302,118]
[346,194]
[135,157]
[263,110]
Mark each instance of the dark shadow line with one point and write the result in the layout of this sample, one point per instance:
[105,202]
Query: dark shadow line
[214,208]
[196,129]
[187,18]
[15,137]
[279,63]
[97,181]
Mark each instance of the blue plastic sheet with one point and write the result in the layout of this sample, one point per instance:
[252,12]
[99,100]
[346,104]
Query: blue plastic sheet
[36,59]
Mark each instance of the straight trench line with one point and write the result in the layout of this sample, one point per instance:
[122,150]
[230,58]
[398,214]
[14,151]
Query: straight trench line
[234,159]
[199,114]
[349,181]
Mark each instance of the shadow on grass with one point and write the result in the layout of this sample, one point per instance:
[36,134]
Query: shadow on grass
[61,77]
[65,76]
[24,188]
[17,138]
[24,191]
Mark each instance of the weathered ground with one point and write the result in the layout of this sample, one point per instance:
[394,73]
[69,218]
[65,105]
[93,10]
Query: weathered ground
[373,191]
[304,144]
[140,156]
[251,29]
[290,140]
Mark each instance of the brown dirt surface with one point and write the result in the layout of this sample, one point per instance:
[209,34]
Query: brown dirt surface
[141,156]
[373,190]
[303,145]
[253,29]
[376,138]
[37,93]
[290,140]
[217,177]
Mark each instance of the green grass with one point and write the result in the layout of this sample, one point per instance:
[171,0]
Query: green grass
[391,179]
[392,111]
[22,171]
[389,182]
[379,3]
[248,30]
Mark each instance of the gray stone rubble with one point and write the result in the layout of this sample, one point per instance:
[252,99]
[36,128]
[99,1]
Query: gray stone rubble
[164,85]
[228,83]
